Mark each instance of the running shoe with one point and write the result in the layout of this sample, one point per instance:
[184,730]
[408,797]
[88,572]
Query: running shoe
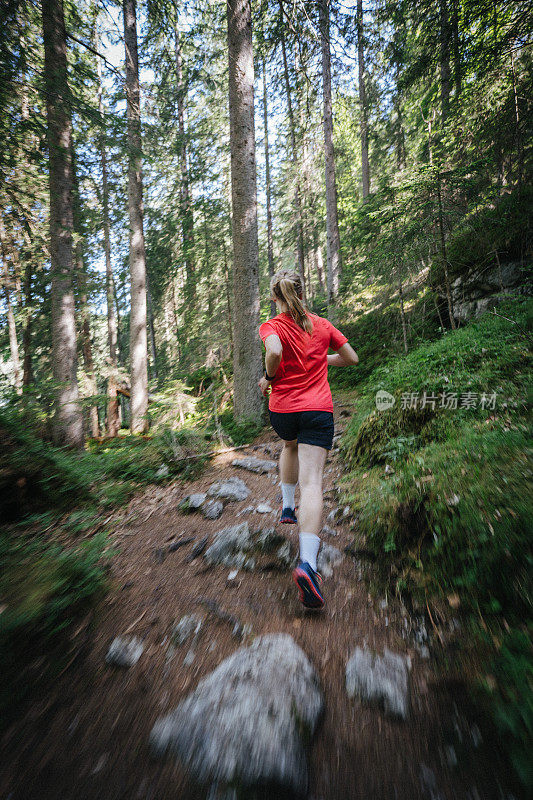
[308,582]
[288,516]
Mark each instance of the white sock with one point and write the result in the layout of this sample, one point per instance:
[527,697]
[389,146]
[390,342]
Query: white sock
[287,491]
[309,544]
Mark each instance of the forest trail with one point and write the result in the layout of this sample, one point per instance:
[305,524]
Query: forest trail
[88,737]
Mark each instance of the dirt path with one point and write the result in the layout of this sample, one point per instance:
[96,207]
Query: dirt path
[88,738]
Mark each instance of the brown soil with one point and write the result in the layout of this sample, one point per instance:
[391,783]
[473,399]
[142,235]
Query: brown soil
[87,738]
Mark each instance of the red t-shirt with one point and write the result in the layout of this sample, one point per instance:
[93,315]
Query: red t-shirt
[301,382]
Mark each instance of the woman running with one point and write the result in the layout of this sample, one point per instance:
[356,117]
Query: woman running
[301,413]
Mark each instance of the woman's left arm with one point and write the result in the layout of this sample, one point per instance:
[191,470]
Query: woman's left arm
[344,357]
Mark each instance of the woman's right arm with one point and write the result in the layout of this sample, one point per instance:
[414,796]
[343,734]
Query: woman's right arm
[344,357]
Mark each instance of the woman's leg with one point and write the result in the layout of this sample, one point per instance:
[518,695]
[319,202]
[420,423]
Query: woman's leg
[288,462]
[311,460]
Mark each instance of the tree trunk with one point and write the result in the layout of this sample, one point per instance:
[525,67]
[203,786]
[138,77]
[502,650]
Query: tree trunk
[152,330]
[113,407]
[319,262]
[398,268]
[228,296]
[365,166]
[68,419]
[85,327]
[518,133]
[27,368]
[444,58]
[247,363]
[443,254]
[334,264]
[12,330]
[187,220]
[297,190]
[138,335]
[270,239]
[401,156]
[457,70]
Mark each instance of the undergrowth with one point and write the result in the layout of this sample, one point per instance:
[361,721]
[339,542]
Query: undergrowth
[44,587]
[442,495]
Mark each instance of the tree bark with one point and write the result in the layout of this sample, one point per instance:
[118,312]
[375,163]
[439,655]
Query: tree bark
[247,363]
[68,418]
[113,407]
[27,367]
[365,166]
[138,334]
[297,190]
[228,296]
[187,219]
[334,264]
[11,326]
[270,239]
[152,329]
[319,262]
[85,327]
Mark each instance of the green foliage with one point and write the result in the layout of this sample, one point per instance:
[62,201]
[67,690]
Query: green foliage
[34,475]
[146,459]
[509,697]
[44,586]
[240,433]
[502,226]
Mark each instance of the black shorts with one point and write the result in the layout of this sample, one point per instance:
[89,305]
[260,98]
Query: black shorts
[308,427]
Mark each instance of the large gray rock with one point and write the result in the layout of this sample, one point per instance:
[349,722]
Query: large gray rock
[474,292]
[253,464]
[383,680]
[328,558]
[230,489]
[230,546]
[248,722]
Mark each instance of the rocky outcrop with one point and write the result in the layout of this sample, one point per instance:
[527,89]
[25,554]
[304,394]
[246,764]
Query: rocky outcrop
[472,294]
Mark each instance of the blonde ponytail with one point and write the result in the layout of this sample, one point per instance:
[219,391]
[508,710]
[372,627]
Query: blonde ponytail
[287,286]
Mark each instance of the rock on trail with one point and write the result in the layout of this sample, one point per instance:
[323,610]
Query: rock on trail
[124,651]
[383,680]
[230,546]
[229,489]
[253,464]
[329,557]
[247,723]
